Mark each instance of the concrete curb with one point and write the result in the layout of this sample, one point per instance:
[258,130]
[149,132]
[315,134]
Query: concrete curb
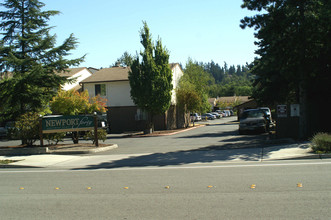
[167,134]
[16,166]
[23,151]
[88,151]
[311,156]
[46,150]
[177,132]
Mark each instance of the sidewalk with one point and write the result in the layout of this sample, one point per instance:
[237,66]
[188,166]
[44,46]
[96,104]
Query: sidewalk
[197,153]
[281,152]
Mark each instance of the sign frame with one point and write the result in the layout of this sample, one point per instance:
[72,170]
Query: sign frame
[68,123]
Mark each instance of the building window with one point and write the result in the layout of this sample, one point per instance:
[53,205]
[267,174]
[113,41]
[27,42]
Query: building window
[100,89]
[141,115]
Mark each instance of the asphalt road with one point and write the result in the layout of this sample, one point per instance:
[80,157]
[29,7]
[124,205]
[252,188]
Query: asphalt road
[250,190]
[197,146]
[217,133]
[182,177]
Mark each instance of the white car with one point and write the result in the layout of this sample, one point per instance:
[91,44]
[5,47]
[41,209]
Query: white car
[208,116]
[266,110]
[216,114]
[195,117]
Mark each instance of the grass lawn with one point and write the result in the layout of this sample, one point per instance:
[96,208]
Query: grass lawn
[6,161]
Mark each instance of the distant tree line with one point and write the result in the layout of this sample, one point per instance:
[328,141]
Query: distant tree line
[222,80]
[229,81]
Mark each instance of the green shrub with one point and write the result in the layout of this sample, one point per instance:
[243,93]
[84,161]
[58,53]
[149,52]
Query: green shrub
[321,143]
[26,128]
[102,135]
[55,137]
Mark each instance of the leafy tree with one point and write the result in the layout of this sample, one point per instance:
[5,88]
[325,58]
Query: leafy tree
[74,103]
[294,39]
[188,98]
[197,81]
[29,54]
[196,74]
[151,78]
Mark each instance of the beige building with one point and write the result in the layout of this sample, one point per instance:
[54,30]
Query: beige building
[79,74]
[123,115]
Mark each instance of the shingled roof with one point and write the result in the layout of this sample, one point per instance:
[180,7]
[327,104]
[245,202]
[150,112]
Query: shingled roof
[71,71]
[232,99]
[113,74]
[109,75]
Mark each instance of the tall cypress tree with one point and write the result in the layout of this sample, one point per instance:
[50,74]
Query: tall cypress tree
[151,79]
[29,55]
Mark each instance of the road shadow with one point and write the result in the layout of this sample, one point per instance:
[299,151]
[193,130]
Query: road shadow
[260,138]
[207,154]
[212,134]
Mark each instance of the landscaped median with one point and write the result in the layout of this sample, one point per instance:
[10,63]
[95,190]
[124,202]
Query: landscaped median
[6,162]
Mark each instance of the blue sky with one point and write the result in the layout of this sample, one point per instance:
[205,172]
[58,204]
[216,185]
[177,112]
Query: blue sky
[202,30]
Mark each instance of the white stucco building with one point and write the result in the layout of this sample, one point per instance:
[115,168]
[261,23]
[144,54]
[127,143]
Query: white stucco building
[79,74]
[123,115]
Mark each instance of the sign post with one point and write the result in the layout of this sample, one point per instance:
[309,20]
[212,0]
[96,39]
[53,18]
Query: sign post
[41,132]
[96,130]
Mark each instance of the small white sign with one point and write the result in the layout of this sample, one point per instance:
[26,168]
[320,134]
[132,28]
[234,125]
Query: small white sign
[281,111]
[295,110]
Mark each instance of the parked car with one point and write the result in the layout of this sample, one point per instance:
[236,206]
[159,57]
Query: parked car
[253,120]
[229,112]
[3,132]
[195,117]
[216,114]
[266,111]
[7,130]
[226,113]
[103,122]
[208,116]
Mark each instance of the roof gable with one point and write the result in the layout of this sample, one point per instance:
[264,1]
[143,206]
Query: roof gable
[71,71]
[232,99]
[114,74]
[109,75]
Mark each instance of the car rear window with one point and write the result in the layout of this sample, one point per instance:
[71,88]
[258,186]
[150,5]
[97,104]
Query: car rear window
[252,114]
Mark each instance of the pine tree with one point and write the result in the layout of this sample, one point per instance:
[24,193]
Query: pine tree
[29,55]
[151,78]
[293,66]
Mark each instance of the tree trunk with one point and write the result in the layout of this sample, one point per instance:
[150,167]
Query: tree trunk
[75,137]
[303,121]
[150,124]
